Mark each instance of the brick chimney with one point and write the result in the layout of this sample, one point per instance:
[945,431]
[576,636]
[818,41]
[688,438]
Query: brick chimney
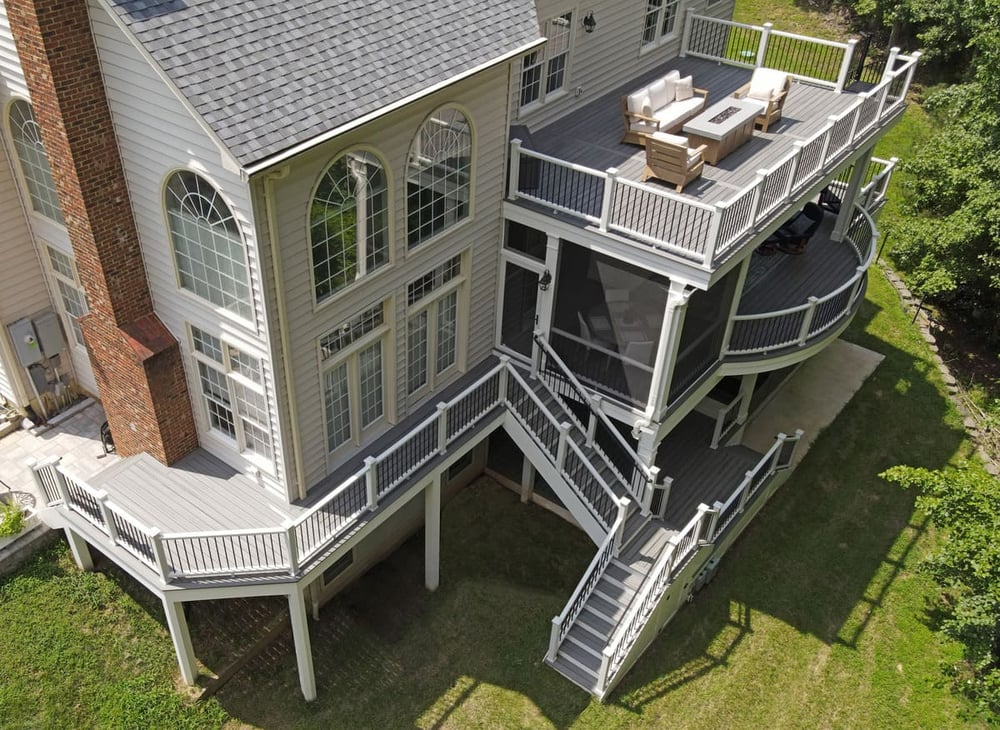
[137,362]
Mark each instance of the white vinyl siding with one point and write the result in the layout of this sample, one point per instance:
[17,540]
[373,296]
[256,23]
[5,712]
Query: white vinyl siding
[158,135]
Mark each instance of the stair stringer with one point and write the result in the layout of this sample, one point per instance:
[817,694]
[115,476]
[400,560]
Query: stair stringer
[673,598]
[567,495]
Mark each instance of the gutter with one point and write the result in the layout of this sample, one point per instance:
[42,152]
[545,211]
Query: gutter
[283,156]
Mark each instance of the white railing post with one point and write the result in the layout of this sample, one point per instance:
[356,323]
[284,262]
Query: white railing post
[714,226]
[713,521]
[292,543]
[825,149]
[610,180]
[371,482]
[781,438]
[564,429]
[799,433]
[745,491]
[890,63]
[513,174]
[845,65]
[765,37]
[623,505]
[758,197]
[674,543]
[704,511]
[63,486]
[797,146]
[602,673]
[442,414]
[109,522]
[51,466]
[653,476]
[807,320]
[668,483]
[536,358]
[554,638]
[160,554]
[595,406]
[502,378]
[909,73]
[686,33]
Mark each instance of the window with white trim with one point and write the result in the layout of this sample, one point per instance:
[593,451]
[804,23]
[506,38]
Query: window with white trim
[349,222]
[438,175]
[72,299]
[208,246]
[659,22]
[231,384]
[543,71]
[432,324]
[353,378]
[35,168]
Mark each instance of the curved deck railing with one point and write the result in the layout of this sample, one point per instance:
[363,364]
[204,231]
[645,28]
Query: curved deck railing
[768,332]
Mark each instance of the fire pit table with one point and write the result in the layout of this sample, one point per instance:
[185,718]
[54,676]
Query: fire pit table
[723,127]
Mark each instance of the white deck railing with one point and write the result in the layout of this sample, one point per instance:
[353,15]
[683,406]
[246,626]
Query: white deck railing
[770,331]
[682,226]
[291,547]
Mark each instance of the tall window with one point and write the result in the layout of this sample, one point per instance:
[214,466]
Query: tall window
[543,71]
[34,162]
[349,229]
[71,295]
[353,381]
[660,21]
[232,389]
[208,248]
[438,175]
[432,324]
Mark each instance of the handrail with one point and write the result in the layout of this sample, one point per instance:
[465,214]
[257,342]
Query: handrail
[706,234]
[804,329]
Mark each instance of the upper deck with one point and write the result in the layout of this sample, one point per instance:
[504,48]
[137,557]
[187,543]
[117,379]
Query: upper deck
[580,170]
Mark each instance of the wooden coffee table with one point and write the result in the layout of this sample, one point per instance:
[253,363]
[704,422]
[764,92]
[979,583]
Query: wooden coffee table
[722,127]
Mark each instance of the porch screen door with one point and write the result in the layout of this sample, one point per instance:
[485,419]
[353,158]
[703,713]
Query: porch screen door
[518,314]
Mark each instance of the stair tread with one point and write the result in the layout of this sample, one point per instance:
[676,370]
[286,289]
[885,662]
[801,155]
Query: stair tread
[580,656]
[613,591]
[622,573]
[587,622]
[596,622]
[610,611]
[585,640]
[582,678]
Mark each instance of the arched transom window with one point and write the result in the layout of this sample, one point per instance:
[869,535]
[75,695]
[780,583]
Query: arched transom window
[438,175]
[208,248]
[34,162]
[348,222]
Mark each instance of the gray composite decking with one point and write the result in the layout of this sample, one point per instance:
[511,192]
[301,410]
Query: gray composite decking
[591,136]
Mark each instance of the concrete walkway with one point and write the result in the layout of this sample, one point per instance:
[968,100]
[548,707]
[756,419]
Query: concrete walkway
[813,396]
[76,438]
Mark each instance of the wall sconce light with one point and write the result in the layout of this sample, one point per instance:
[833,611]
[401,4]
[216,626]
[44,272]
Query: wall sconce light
[544,280]
[589,22]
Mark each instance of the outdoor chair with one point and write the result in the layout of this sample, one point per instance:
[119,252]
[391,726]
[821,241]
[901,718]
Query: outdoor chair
[828,200]
[669,158]
[769,86]
[794,234]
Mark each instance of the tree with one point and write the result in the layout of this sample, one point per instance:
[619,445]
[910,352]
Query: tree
[966,503]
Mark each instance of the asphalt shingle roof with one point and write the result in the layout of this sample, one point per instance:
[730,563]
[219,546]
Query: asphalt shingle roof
[268,75]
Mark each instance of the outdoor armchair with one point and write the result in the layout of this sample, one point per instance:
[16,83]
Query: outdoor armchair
[769,86]
[669,158]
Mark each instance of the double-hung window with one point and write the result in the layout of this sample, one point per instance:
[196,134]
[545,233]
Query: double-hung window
[353,380]
[231,385]
[543,71]
[660,22]
[72,299]
[432,324]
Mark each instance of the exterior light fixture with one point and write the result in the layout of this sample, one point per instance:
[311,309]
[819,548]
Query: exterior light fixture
[589,22]
[544,280]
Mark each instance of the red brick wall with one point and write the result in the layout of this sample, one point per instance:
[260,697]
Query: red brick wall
[136,362]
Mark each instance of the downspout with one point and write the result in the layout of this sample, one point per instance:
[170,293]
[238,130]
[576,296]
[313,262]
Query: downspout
[279,295]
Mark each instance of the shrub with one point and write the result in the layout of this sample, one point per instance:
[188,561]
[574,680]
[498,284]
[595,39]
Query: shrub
[11,519]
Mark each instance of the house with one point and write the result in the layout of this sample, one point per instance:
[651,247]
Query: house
[321,271]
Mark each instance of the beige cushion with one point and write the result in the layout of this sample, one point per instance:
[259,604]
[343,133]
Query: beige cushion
[684,88]
[670,138]
[766,83]
[637,100]
[658,94]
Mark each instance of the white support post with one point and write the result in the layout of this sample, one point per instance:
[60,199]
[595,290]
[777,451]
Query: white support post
[781,438]
[563,447]
[502,378]
[890,63]
[745,487]
[610,180]
[292,544]
[765,37]
[303,647]
[704,512]
[554,639]
[536,358]
[160,554]
[432,533]
[371,482]
[825,150]
[850,196]
[527,480]
[80,549]
[181,637]
[845,65]
[651,482]
[807,320]
[714,522]
[758,197]
[686,33]
[109,521]
[666,485]
[623,505]
[714,226]
[595,407]
[442,414]
[515,169]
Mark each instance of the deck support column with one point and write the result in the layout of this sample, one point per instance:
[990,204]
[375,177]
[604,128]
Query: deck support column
[666,353]
[432,533]
[851,195]
[527,481]
[303,647]
[181,636]
[80,549]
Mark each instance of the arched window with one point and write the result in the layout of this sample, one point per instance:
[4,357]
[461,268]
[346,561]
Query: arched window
[208,247]
[34,162]
[438,175]
[348,222]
